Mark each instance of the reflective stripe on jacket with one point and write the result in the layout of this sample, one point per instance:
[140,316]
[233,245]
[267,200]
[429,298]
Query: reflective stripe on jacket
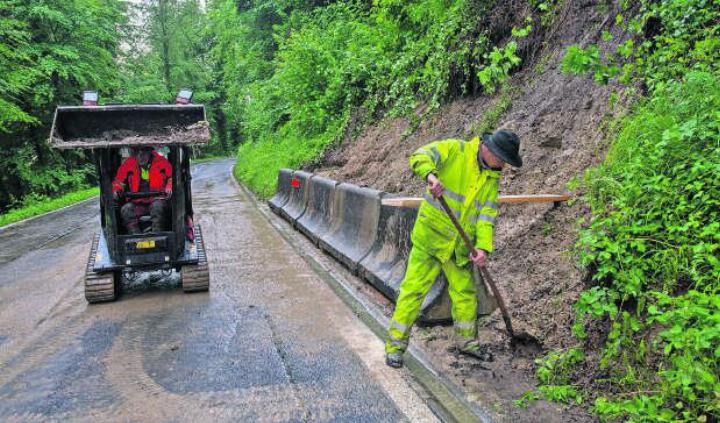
[128,176]
[471,191]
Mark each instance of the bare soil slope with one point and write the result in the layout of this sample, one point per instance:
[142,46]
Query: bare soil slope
[560,120]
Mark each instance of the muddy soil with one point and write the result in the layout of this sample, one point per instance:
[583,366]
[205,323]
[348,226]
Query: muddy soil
[198,133]
[561,120]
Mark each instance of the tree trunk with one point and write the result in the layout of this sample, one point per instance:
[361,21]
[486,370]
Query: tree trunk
[163,17]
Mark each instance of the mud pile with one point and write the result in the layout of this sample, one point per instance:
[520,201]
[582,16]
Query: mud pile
[128,124]
[125,137]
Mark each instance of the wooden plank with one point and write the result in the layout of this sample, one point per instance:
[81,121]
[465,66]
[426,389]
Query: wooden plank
[536,198]
[411,202]
[414,202]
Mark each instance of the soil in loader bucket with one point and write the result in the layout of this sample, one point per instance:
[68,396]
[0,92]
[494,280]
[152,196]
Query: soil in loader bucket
[128,125]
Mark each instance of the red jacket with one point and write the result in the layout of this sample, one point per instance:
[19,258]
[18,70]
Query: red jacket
[128,175]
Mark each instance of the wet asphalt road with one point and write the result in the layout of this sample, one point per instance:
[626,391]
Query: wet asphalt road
[269,342]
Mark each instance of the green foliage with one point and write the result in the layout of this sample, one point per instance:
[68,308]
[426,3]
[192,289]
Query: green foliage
[50,46]
[643,408]
[50,50]
[546,9]
[167,48]
[296,72]
[286,149]
[561,393]
[664,40]
[653,244]
[496,72]
[327,62]
[554,367]
[35,205]
[553,372]
[580,61]
[525,399]
[661,176]
[166,51]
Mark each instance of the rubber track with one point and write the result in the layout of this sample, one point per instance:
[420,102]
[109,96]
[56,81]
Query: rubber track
[196,278]
[99,287]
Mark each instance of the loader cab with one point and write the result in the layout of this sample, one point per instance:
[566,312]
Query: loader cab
[149,249]
[109,132]
[145,221]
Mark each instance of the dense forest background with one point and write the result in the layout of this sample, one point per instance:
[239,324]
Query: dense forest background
[286,80]
[282,78]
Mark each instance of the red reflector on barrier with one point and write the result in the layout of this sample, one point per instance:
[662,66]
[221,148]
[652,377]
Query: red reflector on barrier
[295,183]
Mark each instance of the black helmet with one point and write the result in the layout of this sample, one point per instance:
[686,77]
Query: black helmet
[504,144]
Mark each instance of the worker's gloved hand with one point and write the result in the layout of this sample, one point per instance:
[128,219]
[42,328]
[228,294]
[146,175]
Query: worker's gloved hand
[436,187]
[479,257]
[168,193]
[116,195]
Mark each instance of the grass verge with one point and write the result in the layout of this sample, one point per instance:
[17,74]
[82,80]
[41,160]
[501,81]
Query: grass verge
[258,163]
[38,207]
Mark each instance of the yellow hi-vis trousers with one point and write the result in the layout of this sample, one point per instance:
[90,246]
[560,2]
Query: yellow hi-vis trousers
[422,270]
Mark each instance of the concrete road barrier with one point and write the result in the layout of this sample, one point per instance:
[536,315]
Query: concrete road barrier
[384,266]
[353,225]
[316,220]
[297,203]
[371,239]
[284,188]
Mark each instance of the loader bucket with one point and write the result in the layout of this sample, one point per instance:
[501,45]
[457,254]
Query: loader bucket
[128,125]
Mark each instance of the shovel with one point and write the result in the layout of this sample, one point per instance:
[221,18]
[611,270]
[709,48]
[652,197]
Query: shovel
[522,338]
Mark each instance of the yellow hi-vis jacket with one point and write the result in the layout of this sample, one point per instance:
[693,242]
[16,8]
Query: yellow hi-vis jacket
[471,191]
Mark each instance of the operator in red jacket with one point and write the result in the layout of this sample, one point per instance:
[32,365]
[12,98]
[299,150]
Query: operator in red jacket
[144,171]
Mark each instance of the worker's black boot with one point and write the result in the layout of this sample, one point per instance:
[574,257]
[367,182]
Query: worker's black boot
[476,350]
[394,359]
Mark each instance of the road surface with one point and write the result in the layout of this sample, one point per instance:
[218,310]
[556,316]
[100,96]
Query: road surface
[269,342]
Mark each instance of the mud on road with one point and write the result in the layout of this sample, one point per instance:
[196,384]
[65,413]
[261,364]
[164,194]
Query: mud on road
[269,342]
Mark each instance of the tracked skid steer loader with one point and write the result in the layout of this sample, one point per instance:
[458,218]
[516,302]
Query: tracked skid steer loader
[110,133]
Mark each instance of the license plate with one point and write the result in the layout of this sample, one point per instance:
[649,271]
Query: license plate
[145,244]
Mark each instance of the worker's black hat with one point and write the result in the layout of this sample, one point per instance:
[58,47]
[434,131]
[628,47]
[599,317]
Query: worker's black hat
[504,144]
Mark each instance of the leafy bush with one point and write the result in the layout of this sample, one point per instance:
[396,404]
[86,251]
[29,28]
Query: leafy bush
[498,70]
[655,240]
[286,149]
[664,40]
[653,244]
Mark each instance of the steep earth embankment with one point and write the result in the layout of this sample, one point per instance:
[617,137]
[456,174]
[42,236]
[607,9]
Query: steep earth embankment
[561,121]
